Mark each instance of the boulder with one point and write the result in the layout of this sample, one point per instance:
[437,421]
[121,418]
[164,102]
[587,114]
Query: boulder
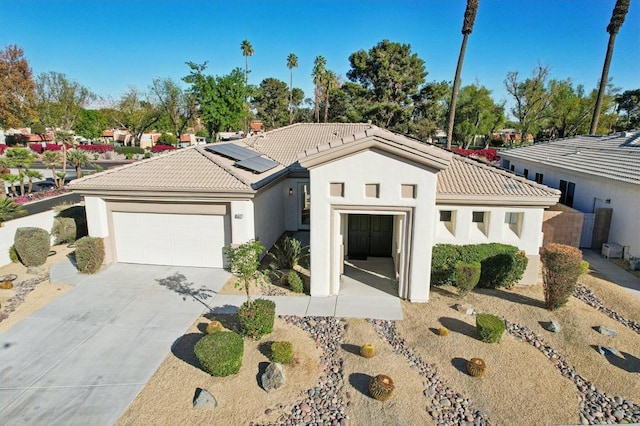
[465,309]
[553,326]
[607,351]
[273,377]
[203,399]
[606,331]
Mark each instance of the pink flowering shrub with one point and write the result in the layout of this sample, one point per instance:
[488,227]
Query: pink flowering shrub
[39,195]
[36,147]
[2,149]
[52,147]
[490,155]
[95,149]
[162,148]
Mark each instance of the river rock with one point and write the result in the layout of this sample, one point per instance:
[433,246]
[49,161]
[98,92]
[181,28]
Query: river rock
[203,399]
[553,326]
[464,308]
[606,331]
[273,377]
[607,351]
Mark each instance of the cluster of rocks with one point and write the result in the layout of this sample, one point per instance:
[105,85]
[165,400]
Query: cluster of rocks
[446,406]
[595,406]
[21,290]
[588,297]
[324,404]
[272,290]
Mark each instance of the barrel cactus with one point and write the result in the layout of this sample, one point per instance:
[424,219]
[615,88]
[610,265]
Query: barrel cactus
[381,387]
[476,367]
[443,331]
[367,350]
[214,327]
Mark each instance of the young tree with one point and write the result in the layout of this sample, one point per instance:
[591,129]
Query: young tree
[391,74]
[178,105]
[244,262]
[31,175]
[617,19]
[60,100]
[292,62]
[52,159]
[467,28]
[17,88]
[319,68]
[78,158]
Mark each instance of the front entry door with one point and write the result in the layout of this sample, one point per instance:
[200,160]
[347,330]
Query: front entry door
[370,235]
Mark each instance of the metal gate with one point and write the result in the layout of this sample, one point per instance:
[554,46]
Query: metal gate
[587,230]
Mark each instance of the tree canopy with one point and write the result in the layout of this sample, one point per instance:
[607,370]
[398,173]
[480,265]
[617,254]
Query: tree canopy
[17,88]
[60,100]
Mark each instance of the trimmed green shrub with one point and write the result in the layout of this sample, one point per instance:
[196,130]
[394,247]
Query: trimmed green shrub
[287,253]
[89,254]
[32,246]
[13,254]
[467,276]
[256,318]
[282,352]
[295,282]
[490,327]
[220,354]
[79,217]
[502,265]
[561,266]
[129,150]
[64,229]
[584,267]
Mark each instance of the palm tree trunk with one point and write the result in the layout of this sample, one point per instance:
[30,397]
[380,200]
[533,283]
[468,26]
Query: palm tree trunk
[291,98]
[456,88]
[326,106]
[603,84]
[317,104]
[78,171]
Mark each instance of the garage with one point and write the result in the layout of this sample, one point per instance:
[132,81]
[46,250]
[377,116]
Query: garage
[170,239]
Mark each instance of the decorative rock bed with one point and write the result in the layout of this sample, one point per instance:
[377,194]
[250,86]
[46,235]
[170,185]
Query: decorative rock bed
[587,296]
[22,289]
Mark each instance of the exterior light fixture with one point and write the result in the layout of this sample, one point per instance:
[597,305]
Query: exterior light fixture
[290,192]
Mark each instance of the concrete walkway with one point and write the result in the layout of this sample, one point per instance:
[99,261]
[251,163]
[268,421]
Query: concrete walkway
[84,357]
[613,272]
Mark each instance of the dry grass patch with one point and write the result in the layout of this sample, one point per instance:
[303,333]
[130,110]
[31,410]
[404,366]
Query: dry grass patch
[612,295]
[405,407]
[167,397]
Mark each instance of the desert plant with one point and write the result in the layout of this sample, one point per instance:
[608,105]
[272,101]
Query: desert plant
[282,352]
[287,253]
[476,367]
[256,319]
[244,262]
[443,331]
[220,354]
[490,327]
[561,266]
[6,285]
[89,254]
[295,282]
[467,277]
[64,229]
[13,254]
[79,216]
[367,350]
[9,210]
[381,387]
[32,246]
[584,267]
[214,327]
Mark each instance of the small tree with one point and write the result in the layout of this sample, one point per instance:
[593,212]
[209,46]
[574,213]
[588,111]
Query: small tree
[244,262]
[561,265]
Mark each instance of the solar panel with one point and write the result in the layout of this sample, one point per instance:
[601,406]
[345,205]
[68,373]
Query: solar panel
[232,151]
[257,164]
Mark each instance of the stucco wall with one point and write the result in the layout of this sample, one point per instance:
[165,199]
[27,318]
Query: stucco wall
[562,225]
[592,192]
[42,220]
[356,171]
[269,216]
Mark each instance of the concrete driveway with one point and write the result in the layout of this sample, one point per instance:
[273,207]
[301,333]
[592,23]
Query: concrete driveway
[84,357]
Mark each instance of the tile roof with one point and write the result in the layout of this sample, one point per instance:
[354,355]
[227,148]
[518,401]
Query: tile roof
[615,157]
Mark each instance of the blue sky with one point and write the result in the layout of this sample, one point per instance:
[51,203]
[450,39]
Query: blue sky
[109,46]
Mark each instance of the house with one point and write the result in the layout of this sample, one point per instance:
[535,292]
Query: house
[360,190]
[597,175]
[148,140]
[188,139]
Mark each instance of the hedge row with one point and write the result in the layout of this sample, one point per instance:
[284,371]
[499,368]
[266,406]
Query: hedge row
[502,265]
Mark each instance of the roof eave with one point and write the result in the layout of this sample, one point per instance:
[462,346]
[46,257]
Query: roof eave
[179,194]
[488,200]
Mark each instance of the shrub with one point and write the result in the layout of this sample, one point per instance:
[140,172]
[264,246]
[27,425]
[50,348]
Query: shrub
[161,148]
[32,246]
[95,148]
[214,327]
[561,266]
[490,327]
[256,318]
[584,267]
[129,150]
[13,254]
[79,217]
[282,352]
[287,253]
[295,282]
[64,229]
[36,147]
[89,254]
[220,354]
[502,265]
[467,276]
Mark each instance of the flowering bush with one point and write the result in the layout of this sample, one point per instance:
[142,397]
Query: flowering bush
[95,149]
[36,147]
[52,147]
[39,195]
[2,149]
[162,148]
[490,155]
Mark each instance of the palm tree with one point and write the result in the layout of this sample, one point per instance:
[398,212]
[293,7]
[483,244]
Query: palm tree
[319,65]
[20,158]
[31,175]
[51,159]
[467,28]
[617,19]
[330,80]
[247,50]
[78,157]
[9,209]
[292,62]
[12,180]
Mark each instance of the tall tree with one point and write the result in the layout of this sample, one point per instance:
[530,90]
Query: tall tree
[178,105]
[478,115]
[90,123]
[136,113]
[247,50]
[629,102]
[617,19]
[569,110]
[319,68]
[467,28]
[531,99]
[271,103]
[292,62]
[17,88]
[391,74]
[430,112]
[329,82]
[60,100]
[221,100]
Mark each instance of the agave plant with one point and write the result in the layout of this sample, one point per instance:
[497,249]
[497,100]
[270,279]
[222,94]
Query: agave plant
[9,210]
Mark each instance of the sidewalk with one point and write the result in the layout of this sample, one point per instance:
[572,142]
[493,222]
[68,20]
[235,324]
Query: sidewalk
[612,272]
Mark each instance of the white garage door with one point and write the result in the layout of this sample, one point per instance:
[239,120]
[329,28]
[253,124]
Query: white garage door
[170,239]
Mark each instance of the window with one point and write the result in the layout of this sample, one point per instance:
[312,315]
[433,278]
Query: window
[506,164]
[372,190]
[445,215]
[514,221]
[568,190]
[526,173]
[305,204]
[478,217]
[336,189]
[539,177]
[512,168]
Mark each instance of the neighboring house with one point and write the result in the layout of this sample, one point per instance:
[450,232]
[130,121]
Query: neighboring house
[148,140]
[596,174]
[120,136]
[361,191]
[188,139]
